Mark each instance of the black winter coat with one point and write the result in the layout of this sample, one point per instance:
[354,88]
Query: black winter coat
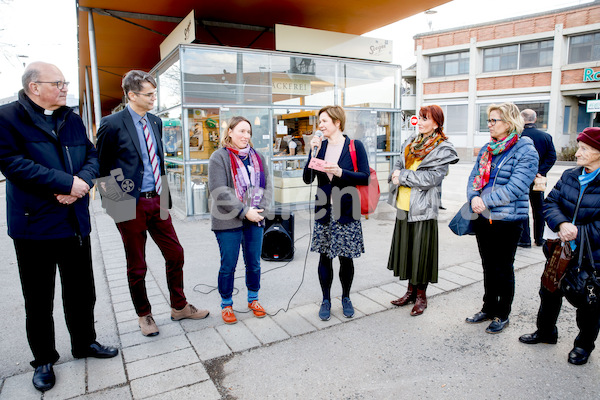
[560,205]
[39,164]
[544,146]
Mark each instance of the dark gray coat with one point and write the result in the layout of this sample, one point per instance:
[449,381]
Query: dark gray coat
[227,211]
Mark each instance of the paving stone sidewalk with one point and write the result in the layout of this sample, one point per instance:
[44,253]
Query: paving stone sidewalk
[178,363]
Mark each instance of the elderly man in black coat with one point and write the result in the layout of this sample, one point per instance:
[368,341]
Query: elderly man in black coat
[50,165]
[545,148]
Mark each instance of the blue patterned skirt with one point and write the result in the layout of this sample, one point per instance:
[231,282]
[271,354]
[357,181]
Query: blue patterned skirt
[334,239]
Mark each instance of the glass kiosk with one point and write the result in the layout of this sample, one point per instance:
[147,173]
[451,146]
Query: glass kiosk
[200,87]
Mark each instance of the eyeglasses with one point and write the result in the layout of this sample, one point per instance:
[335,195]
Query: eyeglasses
[493,121]
[148,95]
[60,85]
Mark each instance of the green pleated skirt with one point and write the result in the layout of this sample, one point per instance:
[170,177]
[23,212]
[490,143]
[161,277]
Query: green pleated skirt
[414,251]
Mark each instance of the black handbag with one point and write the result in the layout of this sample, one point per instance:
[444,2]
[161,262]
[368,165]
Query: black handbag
[580,285]
[462,223]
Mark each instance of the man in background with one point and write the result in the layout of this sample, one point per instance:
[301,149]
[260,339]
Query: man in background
[49,165]
[545,148]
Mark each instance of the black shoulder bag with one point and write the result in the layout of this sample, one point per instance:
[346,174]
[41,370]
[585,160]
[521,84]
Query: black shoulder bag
[581,285]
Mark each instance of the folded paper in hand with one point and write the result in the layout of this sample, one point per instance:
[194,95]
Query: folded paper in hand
[317,164]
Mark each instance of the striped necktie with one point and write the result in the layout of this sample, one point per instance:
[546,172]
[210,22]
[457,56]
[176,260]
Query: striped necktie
[152,155]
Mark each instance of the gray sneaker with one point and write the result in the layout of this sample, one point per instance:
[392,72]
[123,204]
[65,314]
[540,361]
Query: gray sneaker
[347,307]
[325,311]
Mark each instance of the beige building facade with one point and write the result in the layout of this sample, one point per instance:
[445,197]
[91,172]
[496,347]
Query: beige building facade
[549,62]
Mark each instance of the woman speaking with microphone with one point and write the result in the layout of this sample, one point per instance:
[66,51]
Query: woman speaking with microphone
[337,231]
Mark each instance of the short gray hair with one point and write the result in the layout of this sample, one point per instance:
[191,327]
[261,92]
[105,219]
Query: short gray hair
[31,74]
[133,80]
[529,115]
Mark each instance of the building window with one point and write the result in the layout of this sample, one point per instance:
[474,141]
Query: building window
[457,117]
[500,58]
[536,54]
[584,48]
[567,120]
[449,64]
[518,56]
[541,109]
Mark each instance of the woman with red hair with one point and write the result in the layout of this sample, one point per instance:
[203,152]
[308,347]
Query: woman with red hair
[414,192]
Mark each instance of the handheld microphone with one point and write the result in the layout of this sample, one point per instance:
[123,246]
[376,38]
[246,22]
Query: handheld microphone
[317,134]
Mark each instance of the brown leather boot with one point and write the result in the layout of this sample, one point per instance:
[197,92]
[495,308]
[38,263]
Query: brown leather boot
[409,297]
[420,303]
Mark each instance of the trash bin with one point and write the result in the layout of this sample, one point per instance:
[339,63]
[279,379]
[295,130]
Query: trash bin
[199,197]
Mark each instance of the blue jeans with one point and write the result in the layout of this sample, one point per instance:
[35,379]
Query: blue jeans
[250,237]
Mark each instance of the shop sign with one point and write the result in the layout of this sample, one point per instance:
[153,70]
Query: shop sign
[590,76]
[184,32]
[593,106]
[300,87]
[337,44]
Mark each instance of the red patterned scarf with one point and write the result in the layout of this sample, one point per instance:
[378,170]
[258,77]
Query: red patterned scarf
[494,147]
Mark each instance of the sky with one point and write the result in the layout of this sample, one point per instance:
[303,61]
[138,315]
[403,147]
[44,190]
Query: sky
[46,30]
[36,30]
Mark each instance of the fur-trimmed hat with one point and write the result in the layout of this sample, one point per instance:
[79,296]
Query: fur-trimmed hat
[590,136]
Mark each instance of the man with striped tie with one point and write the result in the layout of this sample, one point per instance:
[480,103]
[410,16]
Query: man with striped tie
[130,150]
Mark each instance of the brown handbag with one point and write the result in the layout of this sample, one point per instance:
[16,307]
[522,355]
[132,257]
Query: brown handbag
[560,256]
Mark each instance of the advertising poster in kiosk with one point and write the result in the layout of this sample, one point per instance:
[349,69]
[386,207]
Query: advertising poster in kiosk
[196,131]
[172,137]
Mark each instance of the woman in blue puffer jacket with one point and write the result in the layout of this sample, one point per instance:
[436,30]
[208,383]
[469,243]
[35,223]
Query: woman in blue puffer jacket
[498,190]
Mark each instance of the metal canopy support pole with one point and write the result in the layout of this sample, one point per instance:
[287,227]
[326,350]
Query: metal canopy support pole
[94,64]
[88,107]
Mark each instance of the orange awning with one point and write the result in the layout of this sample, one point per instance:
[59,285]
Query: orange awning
[128,33]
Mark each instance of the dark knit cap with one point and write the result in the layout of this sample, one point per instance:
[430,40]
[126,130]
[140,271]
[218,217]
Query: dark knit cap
[590,136]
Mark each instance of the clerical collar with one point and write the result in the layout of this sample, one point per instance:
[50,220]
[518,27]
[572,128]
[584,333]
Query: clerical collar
[39,109]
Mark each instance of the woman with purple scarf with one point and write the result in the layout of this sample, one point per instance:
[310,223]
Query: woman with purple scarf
[498,190]
[240,189]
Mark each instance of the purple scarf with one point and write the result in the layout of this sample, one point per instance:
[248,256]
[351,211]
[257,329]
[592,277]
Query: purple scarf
[249,187]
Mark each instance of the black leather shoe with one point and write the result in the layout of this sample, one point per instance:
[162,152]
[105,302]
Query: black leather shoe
[96,350]
[535,338]
[578,356]
[497,325]
[477,318]
[524,245]
[44,378]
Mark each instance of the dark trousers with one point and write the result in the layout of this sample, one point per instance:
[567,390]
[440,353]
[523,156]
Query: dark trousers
[37,261]
[497,244]
[536,199]
[588,319]
[134,234]
[326,275]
